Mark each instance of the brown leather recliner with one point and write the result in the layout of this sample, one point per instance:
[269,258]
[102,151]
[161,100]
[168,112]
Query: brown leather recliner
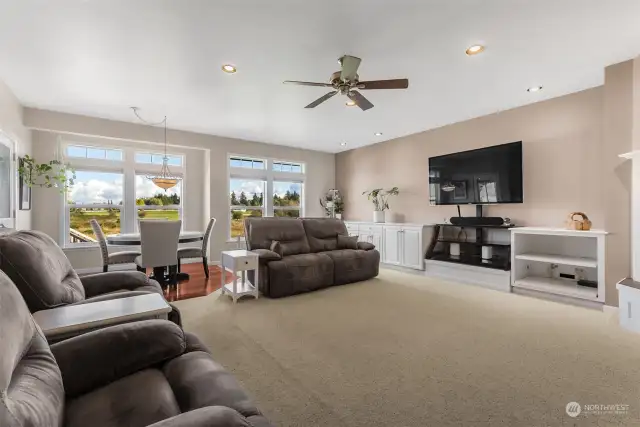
[139,374]
[311,255]
[46,279]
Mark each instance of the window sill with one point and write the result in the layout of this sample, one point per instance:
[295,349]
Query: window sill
[80,246]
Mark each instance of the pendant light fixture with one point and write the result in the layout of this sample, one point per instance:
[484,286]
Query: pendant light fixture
[165,179]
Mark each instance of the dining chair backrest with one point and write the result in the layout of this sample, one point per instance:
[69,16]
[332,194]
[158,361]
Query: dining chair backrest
[102,240]
[159,242]
[207,234]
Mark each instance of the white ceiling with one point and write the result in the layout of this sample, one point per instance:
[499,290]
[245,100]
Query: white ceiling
[98,57]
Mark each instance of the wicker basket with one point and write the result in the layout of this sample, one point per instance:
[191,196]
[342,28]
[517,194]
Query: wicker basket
[581,223]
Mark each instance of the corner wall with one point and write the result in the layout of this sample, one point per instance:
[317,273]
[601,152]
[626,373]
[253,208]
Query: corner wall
[11,125]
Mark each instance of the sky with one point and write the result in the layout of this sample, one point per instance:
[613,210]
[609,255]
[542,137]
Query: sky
[100,187]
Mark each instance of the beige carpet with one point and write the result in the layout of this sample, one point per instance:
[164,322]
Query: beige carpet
[403,350]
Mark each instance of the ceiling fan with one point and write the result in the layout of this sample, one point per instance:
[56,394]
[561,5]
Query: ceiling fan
[346,81]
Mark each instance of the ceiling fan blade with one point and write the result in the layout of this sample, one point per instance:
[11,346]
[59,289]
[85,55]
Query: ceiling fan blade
[350,66]
[360,100]
[320,100]
[384,84]
[295,82]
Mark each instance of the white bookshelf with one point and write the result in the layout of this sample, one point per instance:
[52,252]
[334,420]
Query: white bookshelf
[550,261]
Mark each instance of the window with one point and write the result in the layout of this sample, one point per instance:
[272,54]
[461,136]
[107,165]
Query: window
[240,162]
[111,186]
[287,167]
[246,199]
[82,152]
[251,179]
[95,195]
[156,159]
[287,199]
[155,203]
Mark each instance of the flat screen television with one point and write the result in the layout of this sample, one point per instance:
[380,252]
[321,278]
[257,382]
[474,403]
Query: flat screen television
[485,176]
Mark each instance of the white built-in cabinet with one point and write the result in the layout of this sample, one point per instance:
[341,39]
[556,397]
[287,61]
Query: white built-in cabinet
[399,244]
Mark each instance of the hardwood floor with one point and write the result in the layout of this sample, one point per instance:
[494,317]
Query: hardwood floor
[198,285]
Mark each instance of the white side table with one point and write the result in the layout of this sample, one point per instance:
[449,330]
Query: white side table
[239,261]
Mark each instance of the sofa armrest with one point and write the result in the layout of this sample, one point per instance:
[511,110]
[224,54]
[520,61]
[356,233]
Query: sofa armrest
[209,416]
[366,246]
[102,283]
[267,255]
[100,357]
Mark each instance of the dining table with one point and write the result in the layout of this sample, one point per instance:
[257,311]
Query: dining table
[161,274]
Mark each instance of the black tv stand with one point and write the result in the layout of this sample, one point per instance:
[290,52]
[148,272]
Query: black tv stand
[470,250]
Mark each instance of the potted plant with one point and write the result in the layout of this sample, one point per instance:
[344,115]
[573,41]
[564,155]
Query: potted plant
[332,204]
[380,199]
[53,174]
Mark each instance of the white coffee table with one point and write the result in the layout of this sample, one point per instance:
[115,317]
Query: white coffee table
[239,261]
[72,319]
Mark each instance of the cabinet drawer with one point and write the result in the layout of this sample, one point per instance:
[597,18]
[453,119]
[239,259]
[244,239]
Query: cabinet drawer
[352,228]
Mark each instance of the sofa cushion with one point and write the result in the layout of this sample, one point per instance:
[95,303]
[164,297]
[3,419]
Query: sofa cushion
[354,265]
[261,232]
[53,283]
[139,399]
[347,242]
[299,273]
[322,233]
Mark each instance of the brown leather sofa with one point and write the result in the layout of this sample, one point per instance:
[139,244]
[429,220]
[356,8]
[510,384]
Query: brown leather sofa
[310,254]
[45,278]
[148,373]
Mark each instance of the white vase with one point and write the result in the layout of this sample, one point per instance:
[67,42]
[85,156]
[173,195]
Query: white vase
[378,216]
[339,216]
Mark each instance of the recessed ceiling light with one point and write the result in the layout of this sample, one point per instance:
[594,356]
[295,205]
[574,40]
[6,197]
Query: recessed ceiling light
[343,144]
[534,89]
[228,68]
[378,134]
[475,49]
[350,103]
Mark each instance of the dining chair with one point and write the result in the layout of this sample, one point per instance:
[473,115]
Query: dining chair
[159,243]
[123,257]
[199,252]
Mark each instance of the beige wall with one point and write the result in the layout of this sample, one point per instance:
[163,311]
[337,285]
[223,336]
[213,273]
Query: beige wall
[570,163]
[561,165]
[11,125]
[618,134]
[213,188]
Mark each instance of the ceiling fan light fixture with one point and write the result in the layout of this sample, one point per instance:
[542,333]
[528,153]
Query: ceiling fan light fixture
[534,89]
[229,69]
[350,104]
[475,49]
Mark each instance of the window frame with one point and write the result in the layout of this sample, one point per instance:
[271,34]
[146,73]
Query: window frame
[269,176]
[129,170]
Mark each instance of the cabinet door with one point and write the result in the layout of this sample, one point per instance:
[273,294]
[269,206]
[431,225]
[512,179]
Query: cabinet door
[376,239]
[392,241]
[412,255]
